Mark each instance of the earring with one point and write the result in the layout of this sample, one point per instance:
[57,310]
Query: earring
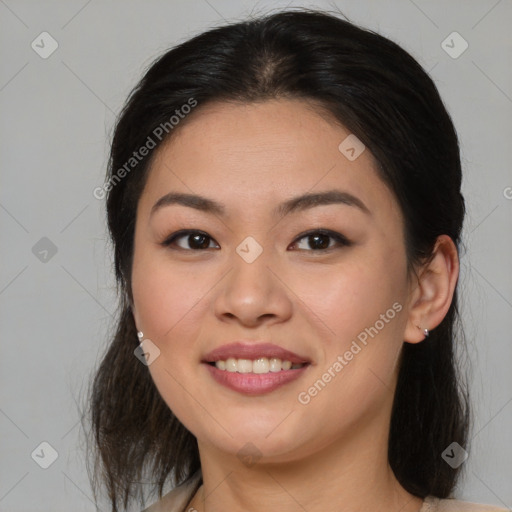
[425,331]
[140,335]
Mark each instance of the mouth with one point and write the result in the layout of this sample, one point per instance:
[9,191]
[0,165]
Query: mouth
[254,369]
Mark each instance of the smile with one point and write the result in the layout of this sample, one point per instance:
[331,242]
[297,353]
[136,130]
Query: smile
[260,365]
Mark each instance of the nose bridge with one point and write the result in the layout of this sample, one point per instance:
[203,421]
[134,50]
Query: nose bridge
[251,290]
[250,263]
[250,250]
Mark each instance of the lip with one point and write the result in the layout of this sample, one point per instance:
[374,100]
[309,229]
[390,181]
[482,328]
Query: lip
[241,350]
[254,383]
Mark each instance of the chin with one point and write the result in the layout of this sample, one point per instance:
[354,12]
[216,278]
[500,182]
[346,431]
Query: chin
[246,439]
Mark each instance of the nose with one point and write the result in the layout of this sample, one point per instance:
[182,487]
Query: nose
[253,293]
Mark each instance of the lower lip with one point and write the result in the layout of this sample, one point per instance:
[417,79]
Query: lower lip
[254,383]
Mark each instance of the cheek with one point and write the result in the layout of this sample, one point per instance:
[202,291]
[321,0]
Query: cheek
[362,306]
[366,310]
[164,295]
[168,305]
[351,297]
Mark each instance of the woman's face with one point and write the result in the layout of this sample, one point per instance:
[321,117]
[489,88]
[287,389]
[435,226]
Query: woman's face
[253,275]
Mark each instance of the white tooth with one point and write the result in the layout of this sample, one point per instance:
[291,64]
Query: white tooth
[244,366]
[274,364]
[261,365]
[231,365]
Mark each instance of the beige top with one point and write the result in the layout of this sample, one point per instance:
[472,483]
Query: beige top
[178,499]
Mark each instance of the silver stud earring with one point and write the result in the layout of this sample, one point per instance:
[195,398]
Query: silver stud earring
[425,331]
[140,335]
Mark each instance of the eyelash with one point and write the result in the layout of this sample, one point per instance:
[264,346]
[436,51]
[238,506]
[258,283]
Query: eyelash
[338,237]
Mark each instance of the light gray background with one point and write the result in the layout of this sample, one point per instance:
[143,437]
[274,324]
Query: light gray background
[56,120]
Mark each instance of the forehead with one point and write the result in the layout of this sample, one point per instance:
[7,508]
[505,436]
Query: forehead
[259,153]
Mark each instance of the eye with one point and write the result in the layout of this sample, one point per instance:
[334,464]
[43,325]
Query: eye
[197,240]
[319,240]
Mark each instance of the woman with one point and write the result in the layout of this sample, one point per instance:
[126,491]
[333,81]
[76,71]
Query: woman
[285,209]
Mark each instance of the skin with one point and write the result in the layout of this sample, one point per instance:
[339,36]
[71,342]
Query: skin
[331,453]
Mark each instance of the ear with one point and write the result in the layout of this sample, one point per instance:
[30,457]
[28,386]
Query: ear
[432,290]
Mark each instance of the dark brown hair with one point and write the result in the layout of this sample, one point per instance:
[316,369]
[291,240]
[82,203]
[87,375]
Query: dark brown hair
[382,95]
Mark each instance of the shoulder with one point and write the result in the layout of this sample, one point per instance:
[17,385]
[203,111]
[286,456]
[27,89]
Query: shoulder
[177,499]
[437,505]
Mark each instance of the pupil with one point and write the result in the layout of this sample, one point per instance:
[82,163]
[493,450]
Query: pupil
[203,245]
[320,245]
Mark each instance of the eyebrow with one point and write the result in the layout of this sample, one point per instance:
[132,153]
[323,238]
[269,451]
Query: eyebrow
[299,203]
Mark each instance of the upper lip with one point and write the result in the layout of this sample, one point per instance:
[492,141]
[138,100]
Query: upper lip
[241,350]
